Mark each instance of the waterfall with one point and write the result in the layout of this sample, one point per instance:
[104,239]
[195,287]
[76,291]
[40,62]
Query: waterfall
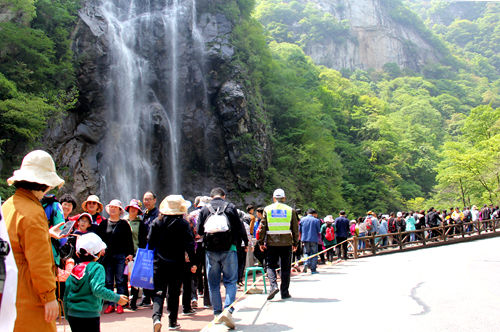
[150,43]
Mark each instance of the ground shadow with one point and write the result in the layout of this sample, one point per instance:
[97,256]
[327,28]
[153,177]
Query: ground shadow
[268,327]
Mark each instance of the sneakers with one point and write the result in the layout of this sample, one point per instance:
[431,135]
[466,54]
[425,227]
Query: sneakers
[189,312]
[314,272]
[145,302]
[110,309]
[119,309]
[272,293]
[157,326]
[133,306]
[227,319]
[173,326]
[287,296]
[194,304]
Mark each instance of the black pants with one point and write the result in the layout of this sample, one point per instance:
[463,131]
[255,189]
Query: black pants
[201,275]
[259,254]
[167,277]
[242,260]
[342,249]
[79,324]
[187,279]
[277,256]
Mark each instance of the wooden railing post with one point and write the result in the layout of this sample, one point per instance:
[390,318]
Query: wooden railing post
[400,240]
[355,247]
[479,227]
[444,232]
[374,249]
[423,236]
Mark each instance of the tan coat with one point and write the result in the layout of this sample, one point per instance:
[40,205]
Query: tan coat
[29,236]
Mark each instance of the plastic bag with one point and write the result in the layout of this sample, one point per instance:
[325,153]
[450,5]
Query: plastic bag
[142,272]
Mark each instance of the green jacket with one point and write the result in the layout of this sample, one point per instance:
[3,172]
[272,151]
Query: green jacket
[85,291]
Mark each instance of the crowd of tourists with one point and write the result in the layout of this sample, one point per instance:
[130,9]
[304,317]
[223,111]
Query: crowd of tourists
[79,264]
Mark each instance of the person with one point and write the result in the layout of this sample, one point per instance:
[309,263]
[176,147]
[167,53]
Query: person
[139,238]
[328,234]
[259,254]
[55,216]
[221,236]
[26,223]
[250,211]
[382,230]
[150,214]
[279,235]
[94,207]
[309,229]
[85,287]
[410,225]
[200,281]
[68,205]
[342,229]
[9,288]
[170,238]
[84,224]
[117,235]
[361,233]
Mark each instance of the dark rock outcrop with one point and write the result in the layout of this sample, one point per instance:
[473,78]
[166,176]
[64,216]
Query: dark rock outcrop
[220,142]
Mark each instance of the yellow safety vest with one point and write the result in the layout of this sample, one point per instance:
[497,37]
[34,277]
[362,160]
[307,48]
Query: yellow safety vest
[279,217]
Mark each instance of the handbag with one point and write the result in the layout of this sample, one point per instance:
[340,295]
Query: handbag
[142,272]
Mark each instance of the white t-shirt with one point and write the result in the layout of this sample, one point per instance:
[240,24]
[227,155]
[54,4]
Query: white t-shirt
[8,312]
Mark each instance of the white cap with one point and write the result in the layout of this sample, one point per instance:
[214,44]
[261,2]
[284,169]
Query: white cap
[91,242]
[279,193]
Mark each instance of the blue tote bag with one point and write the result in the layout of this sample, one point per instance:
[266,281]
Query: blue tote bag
[142,272]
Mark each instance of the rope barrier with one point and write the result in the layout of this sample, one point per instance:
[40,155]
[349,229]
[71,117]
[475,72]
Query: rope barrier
[296,263]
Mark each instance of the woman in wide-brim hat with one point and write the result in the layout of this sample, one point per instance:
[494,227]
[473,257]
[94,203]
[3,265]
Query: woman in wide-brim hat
[140,238]
[94,207]
[171,237]
[117,235]
[27,225]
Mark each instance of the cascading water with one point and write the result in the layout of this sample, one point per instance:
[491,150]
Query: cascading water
[150,42]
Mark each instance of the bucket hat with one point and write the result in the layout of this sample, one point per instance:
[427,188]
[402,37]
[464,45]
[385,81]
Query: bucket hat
[135,203]
[91,242]
[92,198]
[174,205]
[39,167]
[85,214]
[117,203]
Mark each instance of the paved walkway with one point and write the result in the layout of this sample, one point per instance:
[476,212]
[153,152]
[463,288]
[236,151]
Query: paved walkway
[449,288]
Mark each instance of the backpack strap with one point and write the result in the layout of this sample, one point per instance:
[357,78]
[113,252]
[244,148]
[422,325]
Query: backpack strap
[211,209]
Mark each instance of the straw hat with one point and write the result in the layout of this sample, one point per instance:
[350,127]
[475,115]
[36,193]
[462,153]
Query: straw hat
[92,198]
[91,242]
[135,203]
[117,203]
[39,167]
[174,205]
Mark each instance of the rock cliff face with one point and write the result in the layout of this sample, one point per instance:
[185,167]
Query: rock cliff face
[161,105]
[375,39]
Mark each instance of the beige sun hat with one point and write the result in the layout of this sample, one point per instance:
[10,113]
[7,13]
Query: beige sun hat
[39,167]
[117,203]
[174,205]
[92,198]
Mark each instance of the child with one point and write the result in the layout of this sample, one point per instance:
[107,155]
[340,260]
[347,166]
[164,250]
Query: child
[85,287]
[84,223]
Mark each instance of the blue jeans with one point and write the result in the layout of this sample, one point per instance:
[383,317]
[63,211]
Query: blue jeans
[361,243]
[114,267]
[225,262]
[311,248]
